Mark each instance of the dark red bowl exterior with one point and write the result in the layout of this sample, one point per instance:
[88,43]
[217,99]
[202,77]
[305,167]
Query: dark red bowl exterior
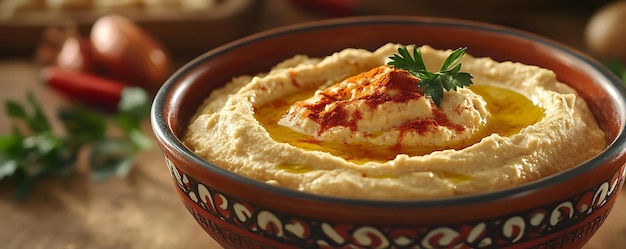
[560,211]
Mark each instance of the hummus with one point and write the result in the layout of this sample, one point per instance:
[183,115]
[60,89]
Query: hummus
[348,125]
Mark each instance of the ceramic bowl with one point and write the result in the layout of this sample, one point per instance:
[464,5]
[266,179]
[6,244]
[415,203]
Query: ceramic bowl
[560,211]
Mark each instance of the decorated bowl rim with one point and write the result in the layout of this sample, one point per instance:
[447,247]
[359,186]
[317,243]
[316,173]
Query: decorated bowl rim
[609,81]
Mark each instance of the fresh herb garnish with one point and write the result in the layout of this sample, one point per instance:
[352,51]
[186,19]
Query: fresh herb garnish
[617,67]
[33,150]
[433,83]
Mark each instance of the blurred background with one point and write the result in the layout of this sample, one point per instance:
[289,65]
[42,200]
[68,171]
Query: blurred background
[190,27]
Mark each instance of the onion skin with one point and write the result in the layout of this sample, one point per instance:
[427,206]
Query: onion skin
[76,55]
[128,53]
[605,33]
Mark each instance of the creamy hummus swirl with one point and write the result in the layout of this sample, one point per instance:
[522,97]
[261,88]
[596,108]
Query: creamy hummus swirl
[282,127]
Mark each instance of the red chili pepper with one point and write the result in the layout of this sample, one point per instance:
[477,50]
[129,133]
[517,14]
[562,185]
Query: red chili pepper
[87,88]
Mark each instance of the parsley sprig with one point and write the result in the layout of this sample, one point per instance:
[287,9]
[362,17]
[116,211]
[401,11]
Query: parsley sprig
[33,150]
[433,83]
[617,67]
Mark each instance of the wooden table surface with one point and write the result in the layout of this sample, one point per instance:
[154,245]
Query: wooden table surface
[142,210]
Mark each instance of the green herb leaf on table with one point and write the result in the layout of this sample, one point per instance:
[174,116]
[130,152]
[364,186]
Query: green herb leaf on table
[132,109]
[617,67]
[84,125]
[111,157]
[433,83]
[115,157]
[33,151]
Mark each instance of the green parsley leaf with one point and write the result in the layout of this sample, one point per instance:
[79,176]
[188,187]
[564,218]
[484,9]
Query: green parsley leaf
[84,125]
[7,168]
[132,109]
[433,83]
[617,67]
[15,110]
[111,157]
[38,122]
[33,151]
